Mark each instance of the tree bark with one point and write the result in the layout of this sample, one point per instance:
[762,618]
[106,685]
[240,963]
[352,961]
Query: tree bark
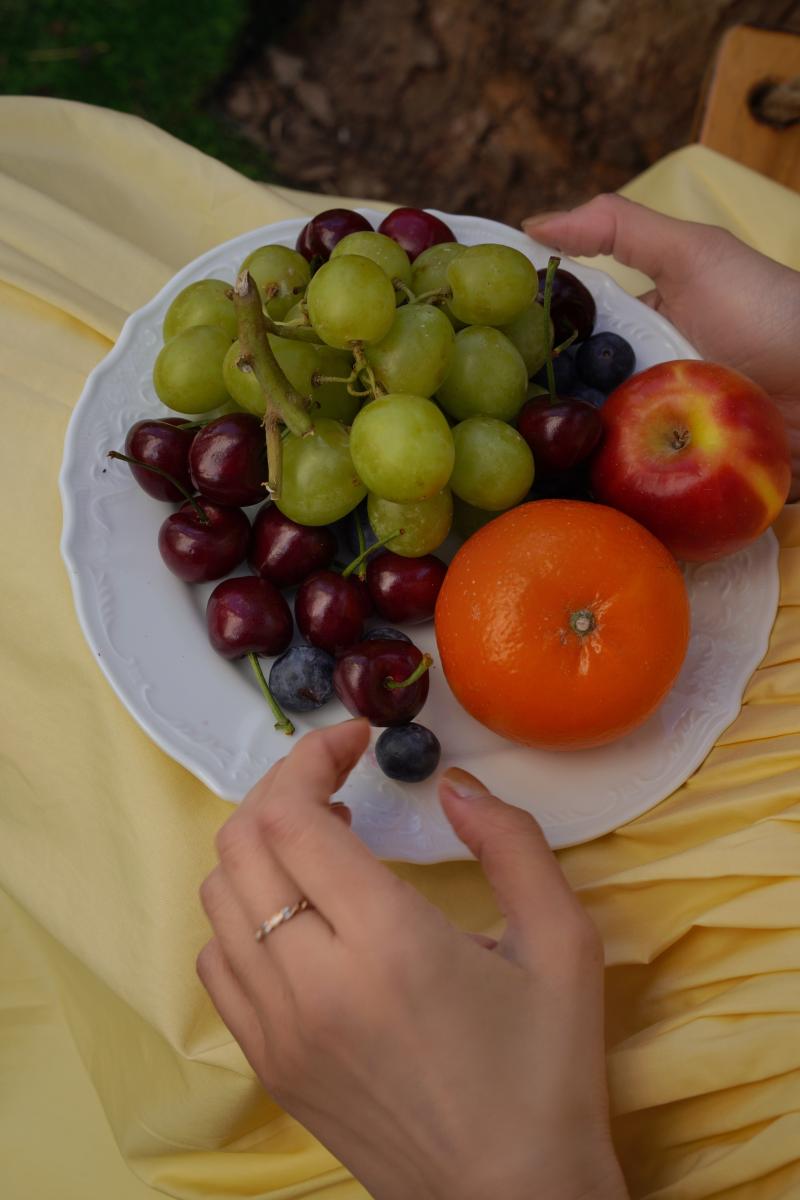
[498,109]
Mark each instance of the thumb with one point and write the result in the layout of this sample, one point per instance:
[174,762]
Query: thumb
[522,870]
[659,246]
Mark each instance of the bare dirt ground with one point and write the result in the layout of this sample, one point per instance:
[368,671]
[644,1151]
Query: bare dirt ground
[498,109]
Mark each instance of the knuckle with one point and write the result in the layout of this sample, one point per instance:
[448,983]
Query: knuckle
[202,963]
[231,838]
[607,202]
[210,896]
[278,824]
[511,826]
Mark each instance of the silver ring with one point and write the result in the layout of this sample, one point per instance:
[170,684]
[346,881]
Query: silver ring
[280,918]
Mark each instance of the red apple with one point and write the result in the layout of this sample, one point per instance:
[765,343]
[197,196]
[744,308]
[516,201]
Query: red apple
[695,452]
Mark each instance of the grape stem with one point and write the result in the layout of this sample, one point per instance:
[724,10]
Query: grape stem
[317,378]
[282,722]
[366,375]
[292,332]
[282,402]
[439,295]
[356,563]
[425,663]
[278,391]
[552,267]
[399,286]
[137,462]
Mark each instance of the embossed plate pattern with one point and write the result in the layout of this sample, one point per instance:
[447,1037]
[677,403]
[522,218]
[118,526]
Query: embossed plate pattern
[147,630]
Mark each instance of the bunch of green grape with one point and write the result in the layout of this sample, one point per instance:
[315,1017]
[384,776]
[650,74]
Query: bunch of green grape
[415,373]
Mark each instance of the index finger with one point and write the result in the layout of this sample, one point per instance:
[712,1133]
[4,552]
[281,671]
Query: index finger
[330,865]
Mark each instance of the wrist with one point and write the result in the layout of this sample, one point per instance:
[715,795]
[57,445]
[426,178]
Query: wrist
[600,1179]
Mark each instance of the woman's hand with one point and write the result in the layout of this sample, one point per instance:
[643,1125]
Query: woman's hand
[737,306]
[434,1065]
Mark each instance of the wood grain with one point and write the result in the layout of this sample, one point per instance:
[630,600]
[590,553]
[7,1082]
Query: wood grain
[747,57]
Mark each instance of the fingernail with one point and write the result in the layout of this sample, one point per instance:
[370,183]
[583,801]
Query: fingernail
[537,219]
[464,784]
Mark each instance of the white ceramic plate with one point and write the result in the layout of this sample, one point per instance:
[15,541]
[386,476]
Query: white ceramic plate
[147,629]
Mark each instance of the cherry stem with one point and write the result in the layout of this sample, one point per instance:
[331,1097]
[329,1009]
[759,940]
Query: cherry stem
[362,546]
[552,267]
[184,424]
[137,462]
[282,722]
[356,563]
[565,344]
[425,663]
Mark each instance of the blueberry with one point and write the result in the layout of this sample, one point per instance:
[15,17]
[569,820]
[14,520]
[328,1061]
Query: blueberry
[302,678]
[385,632]
[582,391]
[565,373]
[408,752]
[605,360]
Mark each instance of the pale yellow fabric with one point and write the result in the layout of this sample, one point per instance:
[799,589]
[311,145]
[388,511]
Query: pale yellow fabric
[117,1079]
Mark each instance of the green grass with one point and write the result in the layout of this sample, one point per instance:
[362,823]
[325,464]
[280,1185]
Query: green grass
[159,59]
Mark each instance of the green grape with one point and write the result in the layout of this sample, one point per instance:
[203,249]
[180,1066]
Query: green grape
[242,385]
[487,375]
[207,302]
[300,363]
[494,464]
[402,448]
[425,524]
[467,519]
[278,267]
[230,406]
[306,333]
[188,371]
[349,300]
[415,354]
[491,284]
[383,250]
[535,389]
[320,484]
[429,274]
[527,333]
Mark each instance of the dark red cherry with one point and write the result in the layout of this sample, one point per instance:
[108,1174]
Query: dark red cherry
[384,681]
[405,589]
[160,442]
[248,615]
[285,552]
[561,435]
[326,229]
[572,307]
[330,610]
[415,230]
[228,460]
[197,551]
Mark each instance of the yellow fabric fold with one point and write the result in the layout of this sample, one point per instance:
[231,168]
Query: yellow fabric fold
[118,1079]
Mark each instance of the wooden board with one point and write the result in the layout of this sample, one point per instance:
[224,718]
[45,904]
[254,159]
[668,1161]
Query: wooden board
[746,57]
